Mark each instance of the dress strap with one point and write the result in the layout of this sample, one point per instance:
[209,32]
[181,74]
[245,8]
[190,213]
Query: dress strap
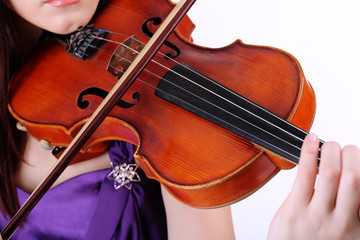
[111,203]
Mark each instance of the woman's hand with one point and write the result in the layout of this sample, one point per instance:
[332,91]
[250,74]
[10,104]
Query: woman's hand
[331,209]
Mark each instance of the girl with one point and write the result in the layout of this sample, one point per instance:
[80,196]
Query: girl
[142,212]
[138,215]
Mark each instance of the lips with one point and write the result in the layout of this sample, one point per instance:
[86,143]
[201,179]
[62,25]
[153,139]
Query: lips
[61,3]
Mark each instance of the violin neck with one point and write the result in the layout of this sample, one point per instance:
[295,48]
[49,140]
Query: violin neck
[226,108]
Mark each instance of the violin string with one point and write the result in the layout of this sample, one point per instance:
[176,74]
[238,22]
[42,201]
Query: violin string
[301,140]
[219,119]
[153,87]
[297,147]
[219,85]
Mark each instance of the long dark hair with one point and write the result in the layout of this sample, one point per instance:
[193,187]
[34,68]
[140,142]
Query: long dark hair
[12,141]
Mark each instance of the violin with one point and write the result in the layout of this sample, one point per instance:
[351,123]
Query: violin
[211,125]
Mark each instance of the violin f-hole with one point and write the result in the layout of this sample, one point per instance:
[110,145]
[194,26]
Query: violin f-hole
[83,104]
[156,21]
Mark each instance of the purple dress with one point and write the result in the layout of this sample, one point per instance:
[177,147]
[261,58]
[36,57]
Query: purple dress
[88,207]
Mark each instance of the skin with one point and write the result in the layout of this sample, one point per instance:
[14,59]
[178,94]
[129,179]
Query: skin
[184,222]
[329,211]
[48,15]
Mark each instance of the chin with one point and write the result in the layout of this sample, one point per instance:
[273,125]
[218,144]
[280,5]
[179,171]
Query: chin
[65,30]
[70,21]
[65,27]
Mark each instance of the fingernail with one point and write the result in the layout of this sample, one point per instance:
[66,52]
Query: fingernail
[313,137]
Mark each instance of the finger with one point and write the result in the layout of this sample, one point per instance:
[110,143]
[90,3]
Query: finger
[348,198]
[329,177]
[305,179]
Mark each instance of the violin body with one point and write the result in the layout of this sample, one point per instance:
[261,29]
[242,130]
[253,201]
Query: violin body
[199,162]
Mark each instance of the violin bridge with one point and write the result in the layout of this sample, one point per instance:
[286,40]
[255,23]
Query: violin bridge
[123,56]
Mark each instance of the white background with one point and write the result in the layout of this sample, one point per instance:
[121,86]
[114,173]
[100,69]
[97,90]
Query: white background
[324,37]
